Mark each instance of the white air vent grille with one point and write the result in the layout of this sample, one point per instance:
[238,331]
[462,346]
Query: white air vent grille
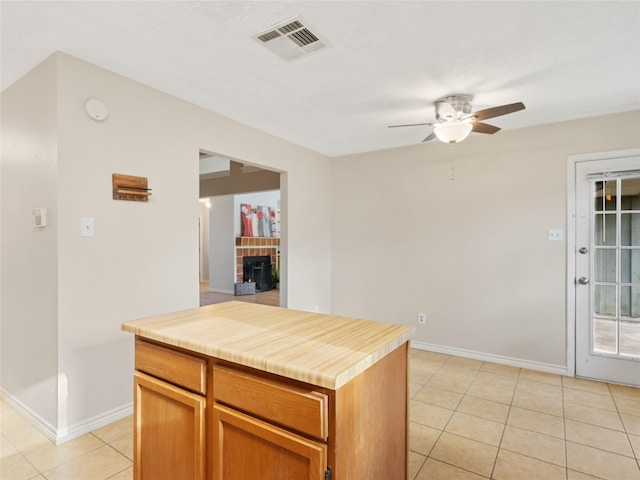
[291,27]
[291,39]
[303,37]
[268,36]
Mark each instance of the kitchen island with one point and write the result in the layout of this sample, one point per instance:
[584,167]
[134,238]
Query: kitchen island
[238,391]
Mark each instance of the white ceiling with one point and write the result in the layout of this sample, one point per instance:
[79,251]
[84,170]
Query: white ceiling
[386,64]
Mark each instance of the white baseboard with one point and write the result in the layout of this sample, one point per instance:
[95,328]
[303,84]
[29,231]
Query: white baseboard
[91,424]
[488,357]
[221,290]
[59,436]
[33,418]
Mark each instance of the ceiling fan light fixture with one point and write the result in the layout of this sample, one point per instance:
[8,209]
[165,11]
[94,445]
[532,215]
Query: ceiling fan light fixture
[452,132]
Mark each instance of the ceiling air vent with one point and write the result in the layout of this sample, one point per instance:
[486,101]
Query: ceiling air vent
[291,39]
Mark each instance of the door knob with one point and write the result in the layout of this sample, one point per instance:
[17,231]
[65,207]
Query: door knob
[583,250]
[583,280]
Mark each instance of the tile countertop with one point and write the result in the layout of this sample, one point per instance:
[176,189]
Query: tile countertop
[323,350]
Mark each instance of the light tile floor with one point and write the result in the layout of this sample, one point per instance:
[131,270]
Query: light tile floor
[469,420]
[476,420]
[106,453]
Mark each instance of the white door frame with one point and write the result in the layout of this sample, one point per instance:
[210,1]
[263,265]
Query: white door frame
[572,160]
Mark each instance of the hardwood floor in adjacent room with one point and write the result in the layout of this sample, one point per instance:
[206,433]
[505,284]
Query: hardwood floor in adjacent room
[271,297]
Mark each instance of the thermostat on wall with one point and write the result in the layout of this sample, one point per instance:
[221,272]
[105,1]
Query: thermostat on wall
[39,217]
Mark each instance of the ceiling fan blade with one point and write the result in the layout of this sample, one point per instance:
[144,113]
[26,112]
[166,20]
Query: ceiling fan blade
[479,127]
[430,137]
[410,125]
[498,111]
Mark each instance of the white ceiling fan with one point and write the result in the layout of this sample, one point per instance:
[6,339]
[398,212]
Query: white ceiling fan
[455,120]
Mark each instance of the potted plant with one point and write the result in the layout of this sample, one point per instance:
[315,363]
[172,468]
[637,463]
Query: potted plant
[275,278]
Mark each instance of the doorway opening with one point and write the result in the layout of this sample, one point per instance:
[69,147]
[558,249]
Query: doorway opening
[233,197]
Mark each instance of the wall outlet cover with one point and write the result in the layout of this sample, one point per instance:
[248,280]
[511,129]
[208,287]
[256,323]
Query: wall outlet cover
[555,235]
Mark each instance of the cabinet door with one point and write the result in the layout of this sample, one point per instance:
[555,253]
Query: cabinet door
[169,431]
[247,448]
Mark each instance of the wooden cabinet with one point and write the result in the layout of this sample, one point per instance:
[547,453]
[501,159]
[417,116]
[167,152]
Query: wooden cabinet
[245,447]
[267,429]
[169,414]
[201,418]
[169,436]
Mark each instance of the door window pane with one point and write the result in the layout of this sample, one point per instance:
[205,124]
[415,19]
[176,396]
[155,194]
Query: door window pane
[605,336]
[605,199]
[630,194]
[630,338]
[605,231]
[630,265]
[604,300]
[629,229]
[630,301]
[605,265]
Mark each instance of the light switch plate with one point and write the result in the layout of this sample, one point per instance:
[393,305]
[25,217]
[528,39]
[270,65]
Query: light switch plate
[87,227]
[555,235]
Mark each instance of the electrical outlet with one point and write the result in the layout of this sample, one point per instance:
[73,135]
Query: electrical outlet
[555,235]
[422,318]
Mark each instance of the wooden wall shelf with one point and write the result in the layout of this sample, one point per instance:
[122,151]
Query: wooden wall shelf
[128,187]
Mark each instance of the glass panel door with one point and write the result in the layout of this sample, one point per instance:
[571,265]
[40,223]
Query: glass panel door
[607,267]
[616,267]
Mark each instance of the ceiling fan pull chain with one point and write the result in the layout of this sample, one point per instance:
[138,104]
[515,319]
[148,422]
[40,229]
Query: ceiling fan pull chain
[453,170]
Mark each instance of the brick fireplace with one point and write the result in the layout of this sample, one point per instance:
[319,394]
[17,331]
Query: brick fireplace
[256,247]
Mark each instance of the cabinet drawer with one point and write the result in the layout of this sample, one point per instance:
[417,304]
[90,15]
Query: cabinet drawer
[299,409]
[179,368]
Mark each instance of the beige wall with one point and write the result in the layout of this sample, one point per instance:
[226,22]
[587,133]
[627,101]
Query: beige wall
[471,253]
[143,258]
[29,267]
